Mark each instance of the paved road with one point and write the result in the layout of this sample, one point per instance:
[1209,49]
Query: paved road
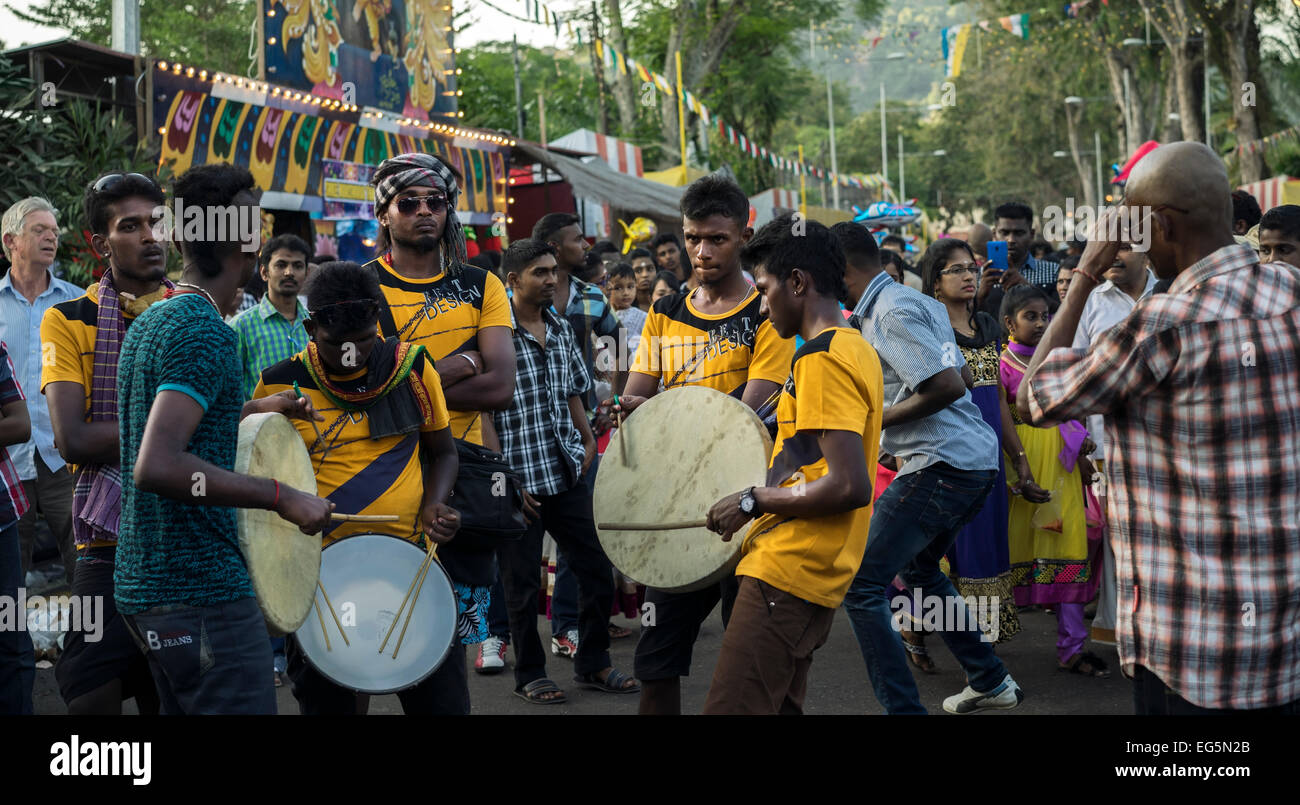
[838,682]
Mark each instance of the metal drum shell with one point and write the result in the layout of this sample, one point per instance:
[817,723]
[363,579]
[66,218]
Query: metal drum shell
[375,602]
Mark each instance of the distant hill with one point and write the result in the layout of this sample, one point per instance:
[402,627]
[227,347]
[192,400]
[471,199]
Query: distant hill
[910,27]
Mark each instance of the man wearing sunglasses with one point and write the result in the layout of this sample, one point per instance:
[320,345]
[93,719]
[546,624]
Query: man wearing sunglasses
[460,314]
[1198,386]
[83,341]
[384,405]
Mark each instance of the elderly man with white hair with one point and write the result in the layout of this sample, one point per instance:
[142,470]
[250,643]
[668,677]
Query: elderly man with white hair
[30,234]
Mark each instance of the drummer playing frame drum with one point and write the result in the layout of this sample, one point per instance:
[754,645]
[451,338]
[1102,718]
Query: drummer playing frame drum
[804,548]
[384,405]
[714,336]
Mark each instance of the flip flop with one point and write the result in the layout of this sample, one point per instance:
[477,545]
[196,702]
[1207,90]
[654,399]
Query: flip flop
[613,683]
[532,692]
[618,632]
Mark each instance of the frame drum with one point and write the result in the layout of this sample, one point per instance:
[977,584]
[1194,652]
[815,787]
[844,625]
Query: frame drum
[283,563]
[681,451]
[366,577]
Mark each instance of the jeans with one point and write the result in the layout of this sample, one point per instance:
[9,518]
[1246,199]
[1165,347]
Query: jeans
[567,517]
[51,495]
[17,659]
[210,659]
[498,615]
[913,525]
[564,601]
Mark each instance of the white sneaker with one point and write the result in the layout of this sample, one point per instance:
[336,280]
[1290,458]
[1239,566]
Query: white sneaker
[491,656]
[1004,697]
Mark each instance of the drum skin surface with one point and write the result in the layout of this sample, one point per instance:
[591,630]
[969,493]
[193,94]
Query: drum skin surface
[687,448]
[283,563]
[366,577]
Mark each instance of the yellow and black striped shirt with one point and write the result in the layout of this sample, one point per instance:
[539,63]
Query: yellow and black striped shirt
[683,347]
[444,315]
[360,475]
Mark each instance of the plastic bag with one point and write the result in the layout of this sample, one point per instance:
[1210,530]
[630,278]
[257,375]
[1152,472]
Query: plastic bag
[1048,516]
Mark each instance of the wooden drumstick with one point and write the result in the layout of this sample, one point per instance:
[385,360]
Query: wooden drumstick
[411,610]
[334,614]
[672,526]
[622,445]
[365,518]
[321,618]
[297,395]
[419,576]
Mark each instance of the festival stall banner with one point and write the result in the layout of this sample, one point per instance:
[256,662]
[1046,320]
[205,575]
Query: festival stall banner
[287,150]
[394,55]
[345,186]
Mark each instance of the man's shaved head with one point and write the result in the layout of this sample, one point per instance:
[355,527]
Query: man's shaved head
[1186,186]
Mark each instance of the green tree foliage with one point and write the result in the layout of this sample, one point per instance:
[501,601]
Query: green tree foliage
[212,34]
[56,152]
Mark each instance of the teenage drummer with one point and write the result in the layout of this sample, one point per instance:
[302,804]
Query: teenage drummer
[460,314]
[383,405]
[714,336]
[180,579]
[810,529]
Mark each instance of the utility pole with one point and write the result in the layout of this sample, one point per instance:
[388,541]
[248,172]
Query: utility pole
[519,93]
[884,153]
[126,26]
[597,69]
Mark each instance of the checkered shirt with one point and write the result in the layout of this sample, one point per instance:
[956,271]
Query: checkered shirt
[589,313]
[1040,272]
[1202,387]
[537,433]
[265,338]
[13,500]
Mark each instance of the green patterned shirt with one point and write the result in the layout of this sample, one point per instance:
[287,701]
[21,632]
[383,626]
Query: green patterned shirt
[265,338]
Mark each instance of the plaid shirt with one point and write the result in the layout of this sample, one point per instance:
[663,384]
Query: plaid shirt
[266,338]
[13,500]
[589,314]
[537,433]
[1040,272]
[1201,387]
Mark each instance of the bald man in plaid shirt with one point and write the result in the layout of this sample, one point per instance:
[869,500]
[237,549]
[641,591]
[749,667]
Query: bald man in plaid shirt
[1203,387]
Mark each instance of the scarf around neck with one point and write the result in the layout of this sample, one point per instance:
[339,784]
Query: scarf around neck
[395,399]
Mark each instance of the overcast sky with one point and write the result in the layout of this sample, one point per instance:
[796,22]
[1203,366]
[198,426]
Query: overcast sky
[488,25]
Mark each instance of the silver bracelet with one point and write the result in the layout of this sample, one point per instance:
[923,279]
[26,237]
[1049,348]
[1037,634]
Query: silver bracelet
[471,361]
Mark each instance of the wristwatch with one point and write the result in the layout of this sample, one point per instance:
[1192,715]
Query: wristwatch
[749,503]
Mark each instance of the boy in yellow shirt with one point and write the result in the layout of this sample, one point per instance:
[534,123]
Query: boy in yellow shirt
[810,520]
[386,414]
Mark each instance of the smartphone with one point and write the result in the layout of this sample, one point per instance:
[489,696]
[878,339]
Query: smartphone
[997,252]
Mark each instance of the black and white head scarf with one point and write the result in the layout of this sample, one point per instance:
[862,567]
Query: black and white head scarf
[410,170]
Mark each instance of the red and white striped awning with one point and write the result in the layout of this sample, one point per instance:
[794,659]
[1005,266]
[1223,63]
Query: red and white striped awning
[1274,192]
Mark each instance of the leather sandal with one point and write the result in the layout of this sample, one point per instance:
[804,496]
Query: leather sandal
[532,692]
[612,683]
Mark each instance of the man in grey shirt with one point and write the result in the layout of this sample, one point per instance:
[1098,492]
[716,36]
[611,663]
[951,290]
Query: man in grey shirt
[947,466]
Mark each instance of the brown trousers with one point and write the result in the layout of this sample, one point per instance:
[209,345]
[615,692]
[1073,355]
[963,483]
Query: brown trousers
[766,652]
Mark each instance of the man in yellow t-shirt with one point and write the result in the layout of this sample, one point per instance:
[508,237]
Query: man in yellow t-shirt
[804,548]
[715,336]
[81,340]
[384,407]
[460,314]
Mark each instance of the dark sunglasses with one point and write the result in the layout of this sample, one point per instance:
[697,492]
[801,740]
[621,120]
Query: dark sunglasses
[329,315]
[110,181]
[411,204]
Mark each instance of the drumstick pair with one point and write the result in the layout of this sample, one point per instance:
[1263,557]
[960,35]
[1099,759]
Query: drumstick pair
[417,584]
[333,614]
